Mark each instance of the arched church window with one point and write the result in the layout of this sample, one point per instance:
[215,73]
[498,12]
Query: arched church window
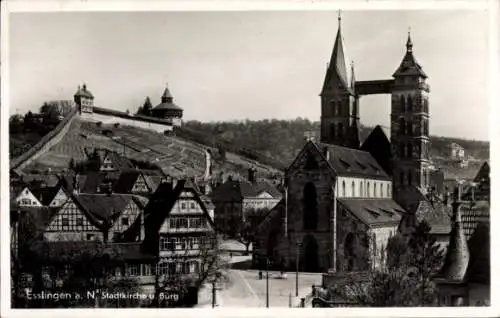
[402,177]
[409,150]
[374,189]
[401,150]
[410,104]
[409,128]
[310,207]
[361,194]
[368,189]
[343,188]
[374,246]
[426,105]
[341,130]
[403,103]
[353,189]
[409,178]
[381,190]
[349,245]
[332,130]
[388,190]
[402,126]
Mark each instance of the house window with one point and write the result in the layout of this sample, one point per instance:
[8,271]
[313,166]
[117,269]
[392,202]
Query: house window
[116,236]
[173,223]
[192,205]
[171,268]
[65,221]
[125,221]
[182,223]
[162,268]
[133,269]
[170,244]
[146,270]
[90,237]
[163,243]
[183,205]
[79,221]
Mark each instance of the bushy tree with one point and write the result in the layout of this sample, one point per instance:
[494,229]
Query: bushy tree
[245,231]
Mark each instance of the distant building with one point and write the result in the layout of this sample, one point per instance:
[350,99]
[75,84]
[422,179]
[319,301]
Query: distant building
[234,199]
[456,151]
[167,109]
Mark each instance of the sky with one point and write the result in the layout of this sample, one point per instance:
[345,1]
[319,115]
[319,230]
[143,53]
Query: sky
[249,65]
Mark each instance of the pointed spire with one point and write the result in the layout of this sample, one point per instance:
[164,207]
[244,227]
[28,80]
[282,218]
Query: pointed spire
[338,63]
[457,256]
[409,44]
[166,97]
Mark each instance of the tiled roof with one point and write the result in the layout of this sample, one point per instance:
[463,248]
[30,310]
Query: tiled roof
[103,207]
[457,253]
[45,195]
[437,215]
[237,190]
[120,162]
[352,162]
[474,215]
[479,269]
[379,146]
[409,65]
[271,220]
[126,181]
[374,211]
[171,105]
[92,181]
[36,180]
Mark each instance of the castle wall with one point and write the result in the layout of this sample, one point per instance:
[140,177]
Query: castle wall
[111,120]
[47,142]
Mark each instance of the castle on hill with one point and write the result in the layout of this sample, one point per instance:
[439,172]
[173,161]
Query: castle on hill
[165,116]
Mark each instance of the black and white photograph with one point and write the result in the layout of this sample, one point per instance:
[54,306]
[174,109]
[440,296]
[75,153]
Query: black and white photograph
[322,158]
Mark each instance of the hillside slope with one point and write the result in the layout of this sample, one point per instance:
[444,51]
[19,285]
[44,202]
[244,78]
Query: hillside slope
[176,156]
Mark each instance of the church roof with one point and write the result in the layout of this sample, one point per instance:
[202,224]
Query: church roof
[409,65]
[351,162]
[379,146]
[338,63]
[374,211]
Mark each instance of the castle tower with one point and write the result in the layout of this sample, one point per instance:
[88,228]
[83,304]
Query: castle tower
[410,141]
[339,103]
[84,99]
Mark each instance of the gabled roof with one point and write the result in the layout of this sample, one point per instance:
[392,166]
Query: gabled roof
[45,195]
[351,162]
[409,65]
[37,180]
[374,211]
[379,146]
[120,162]
[104,207]
[237,190]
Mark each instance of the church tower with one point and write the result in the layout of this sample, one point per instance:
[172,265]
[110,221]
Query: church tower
[410,142]
[339,103]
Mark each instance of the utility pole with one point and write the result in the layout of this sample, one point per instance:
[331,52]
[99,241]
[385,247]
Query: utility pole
[267,282]
[214,294]
[297,270]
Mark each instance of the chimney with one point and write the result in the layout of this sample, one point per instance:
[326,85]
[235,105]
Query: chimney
[326,153]
[251,175]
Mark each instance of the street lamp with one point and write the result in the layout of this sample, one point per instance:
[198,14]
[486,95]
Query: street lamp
[297,270]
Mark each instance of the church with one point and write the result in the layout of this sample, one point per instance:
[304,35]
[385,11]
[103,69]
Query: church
[343,200]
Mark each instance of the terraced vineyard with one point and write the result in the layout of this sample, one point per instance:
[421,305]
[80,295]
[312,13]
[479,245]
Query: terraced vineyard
[176,156]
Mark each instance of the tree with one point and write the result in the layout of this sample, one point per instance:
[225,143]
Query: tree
[15,124]
[245,231]
[147,108]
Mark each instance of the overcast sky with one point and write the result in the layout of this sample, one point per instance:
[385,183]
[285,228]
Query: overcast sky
[255,65]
